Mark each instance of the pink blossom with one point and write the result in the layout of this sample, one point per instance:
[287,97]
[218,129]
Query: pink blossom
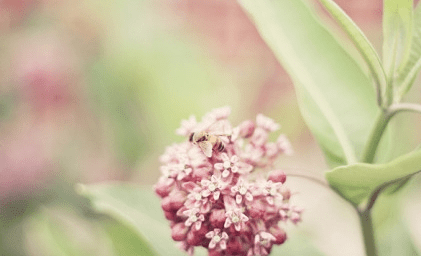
[232,165]
[194,217]
[240,190]
[266,123]
[187,126]
[284,145]
[217,238]
[216,202]
[237,217]
[212,186]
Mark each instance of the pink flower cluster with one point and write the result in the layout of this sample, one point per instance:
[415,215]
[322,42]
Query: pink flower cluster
[220,202]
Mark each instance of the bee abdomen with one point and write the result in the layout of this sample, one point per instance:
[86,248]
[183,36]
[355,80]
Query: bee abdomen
[221,147]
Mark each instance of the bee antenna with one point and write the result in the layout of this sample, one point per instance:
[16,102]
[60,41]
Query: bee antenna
[191,137]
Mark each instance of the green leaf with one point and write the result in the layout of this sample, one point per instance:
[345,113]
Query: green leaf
[331,87]
[356,182]
[397,241]
[360,41]
[397,34]
[413,65]
[125,240]
[62,232]
[137,208]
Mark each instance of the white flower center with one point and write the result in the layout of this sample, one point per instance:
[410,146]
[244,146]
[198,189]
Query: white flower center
[212,187]
[243,190]
[235,219]
[273,191]
[227,164]
[198,196]
[193,218]
[216,238]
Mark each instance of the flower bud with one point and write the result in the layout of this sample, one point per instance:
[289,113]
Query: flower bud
[166,204]
[286,193]
[217,218]
[234,247]
[177,199]
[163,188]
[214,253]
[279,234]
[179,231]
[201,173]
[256,209]
[170,215]
[197,237]
[246,128]
[277,176]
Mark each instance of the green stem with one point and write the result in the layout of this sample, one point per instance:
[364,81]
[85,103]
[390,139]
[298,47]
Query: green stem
[368,233]
[411,107]
[380,125]
[375,136]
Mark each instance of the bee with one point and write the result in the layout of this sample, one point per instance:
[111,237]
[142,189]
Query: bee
[207,142]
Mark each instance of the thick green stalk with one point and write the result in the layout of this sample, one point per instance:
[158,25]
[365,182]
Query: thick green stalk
[368,233]
[380,125]
[375,136]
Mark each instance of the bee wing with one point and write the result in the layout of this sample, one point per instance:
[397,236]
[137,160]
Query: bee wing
[206,147]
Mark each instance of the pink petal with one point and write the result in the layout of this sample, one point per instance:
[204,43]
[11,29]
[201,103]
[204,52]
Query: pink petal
[225,157]
[206,193]
[189,186]
[210,234]
[198,224]
[205,207]
[224,236]
[244,218]
[212,244]
[227,223]
[234,189]
[205,183]
[225,173]
[219,166]
[234,169]
[188,222]
[249,197]
[257,239]
[223,245]
[181,176]
[216,195]
[238,199]
[237,226]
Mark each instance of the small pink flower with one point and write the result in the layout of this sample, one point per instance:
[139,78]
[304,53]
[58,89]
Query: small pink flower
[187,126]
[217,238]
[232,165]
[234,214]
[194,217]
[195,197]
[260,137]
[213,186]
[262,242]
[240,190]
[284,145]
[271,191]
[246,129]
[266,123]
[218,113]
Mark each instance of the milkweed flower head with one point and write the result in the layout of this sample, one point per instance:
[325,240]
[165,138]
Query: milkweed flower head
[221,202]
